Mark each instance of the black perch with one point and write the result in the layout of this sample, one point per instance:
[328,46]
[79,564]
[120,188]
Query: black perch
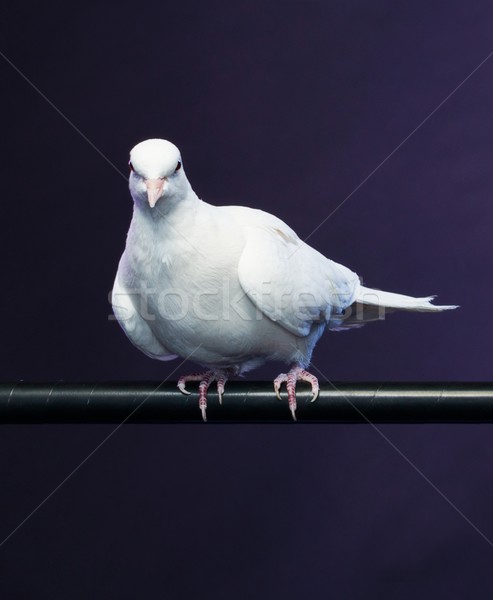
[245,402]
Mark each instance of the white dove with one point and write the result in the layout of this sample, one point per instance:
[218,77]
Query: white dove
[229,287]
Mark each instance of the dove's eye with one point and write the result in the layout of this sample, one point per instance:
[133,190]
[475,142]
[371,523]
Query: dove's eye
[131,166]
[178,166]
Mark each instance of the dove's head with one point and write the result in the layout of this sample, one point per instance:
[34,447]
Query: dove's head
[156,173]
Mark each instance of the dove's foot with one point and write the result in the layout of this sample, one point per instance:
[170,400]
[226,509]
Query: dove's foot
[205,380]
[295,374]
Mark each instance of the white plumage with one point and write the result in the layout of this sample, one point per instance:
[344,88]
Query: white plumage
[229,287]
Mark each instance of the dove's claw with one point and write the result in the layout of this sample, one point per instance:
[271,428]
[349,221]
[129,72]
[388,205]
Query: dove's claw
[277,384]
[221,380]
[205,379]
[295,374]
[306,376]
[181,386]
[208,378]
[291,388]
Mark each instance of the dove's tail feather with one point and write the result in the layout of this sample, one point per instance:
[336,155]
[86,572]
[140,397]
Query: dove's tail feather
[368,296]
[373,305]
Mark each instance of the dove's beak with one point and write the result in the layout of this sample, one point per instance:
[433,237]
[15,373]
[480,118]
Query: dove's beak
[154,190]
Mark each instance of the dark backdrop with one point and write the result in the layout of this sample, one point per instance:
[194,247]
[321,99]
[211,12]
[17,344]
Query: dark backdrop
[286,106]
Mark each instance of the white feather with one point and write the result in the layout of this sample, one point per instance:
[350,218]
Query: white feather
[399,301]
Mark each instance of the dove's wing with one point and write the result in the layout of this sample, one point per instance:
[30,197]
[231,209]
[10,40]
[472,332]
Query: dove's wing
[289,281]
[134,325]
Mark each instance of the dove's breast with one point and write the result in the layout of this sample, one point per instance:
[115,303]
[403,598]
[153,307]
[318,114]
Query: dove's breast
[184,275]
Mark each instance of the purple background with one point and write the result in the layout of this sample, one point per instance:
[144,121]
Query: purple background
[285,106]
